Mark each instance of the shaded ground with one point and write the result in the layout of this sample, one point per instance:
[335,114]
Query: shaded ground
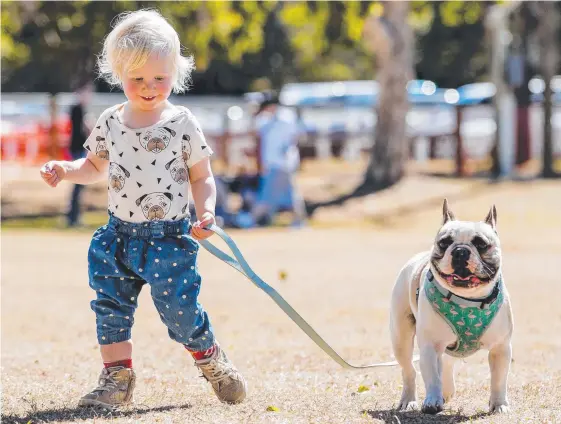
[339,277]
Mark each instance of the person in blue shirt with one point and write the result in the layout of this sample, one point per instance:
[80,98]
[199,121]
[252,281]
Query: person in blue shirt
[278,129]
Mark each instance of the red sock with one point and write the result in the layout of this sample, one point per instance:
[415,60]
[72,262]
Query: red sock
[203,354]
[127,363]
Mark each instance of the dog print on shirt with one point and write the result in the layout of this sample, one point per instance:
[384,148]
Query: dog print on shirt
[178,170]
[117,176]
[148,178]
[101,149]
[156,140]
[155,206]
[186,147]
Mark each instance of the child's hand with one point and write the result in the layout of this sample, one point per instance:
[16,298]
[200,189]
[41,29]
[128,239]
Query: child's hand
[53,173]
[198,232]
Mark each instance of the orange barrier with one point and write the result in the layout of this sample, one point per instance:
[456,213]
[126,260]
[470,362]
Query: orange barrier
[36,146]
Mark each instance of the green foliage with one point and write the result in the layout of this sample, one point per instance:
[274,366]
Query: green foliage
[451,51]
[14,53]
[48,45]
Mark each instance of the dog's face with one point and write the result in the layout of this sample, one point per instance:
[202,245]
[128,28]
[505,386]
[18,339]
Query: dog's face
[117,176]
[466,256]
[178,170]
[155,206]
[156,140]
[101,149]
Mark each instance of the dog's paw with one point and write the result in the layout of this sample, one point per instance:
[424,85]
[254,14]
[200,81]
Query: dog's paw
[499,409]
[408,405]
[433,405]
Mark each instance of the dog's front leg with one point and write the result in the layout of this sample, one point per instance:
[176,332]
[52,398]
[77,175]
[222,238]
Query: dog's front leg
[431,370]
[499,363]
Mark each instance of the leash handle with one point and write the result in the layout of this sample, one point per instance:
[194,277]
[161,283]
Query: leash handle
[240,265]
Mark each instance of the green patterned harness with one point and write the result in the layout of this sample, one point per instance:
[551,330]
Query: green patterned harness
[468,318]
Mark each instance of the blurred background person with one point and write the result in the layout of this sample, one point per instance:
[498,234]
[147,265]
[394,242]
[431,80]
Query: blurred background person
[278,130]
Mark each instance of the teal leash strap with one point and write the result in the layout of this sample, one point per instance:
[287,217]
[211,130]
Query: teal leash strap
[240,265]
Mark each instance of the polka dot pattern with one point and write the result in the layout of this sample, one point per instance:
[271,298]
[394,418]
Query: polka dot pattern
[122,264]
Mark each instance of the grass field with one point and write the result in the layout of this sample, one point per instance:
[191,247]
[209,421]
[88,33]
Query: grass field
[340,273]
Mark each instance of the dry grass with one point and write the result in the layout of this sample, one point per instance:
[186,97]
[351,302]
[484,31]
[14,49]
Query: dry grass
[339,277]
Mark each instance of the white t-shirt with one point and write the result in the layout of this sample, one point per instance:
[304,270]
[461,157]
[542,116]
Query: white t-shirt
[148,167]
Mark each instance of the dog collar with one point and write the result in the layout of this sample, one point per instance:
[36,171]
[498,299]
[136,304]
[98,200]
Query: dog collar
[468,318]
[484,303]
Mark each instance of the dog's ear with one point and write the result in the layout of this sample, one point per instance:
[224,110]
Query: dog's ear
[492,217]
[447,214]
[169,163]
[172,132]
[168,195]
[140,199]
[127,173]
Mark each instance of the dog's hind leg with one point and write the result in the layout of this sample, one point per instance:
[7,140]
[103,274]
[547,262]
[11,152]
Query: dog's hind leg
[448,385]
[402,327]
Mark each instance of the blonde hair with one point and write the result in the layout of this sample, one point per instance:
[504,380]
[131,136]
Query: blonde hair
[134,37]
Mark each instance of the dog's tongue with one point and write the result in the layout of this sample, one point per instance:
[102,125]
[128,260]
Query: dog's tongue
[471,278]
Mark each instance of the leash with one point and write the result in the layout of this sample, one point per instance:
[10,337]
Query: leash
[240,265]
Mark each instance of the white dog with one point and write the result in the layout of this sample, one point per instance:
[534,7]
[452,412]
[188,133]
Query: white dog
[454,299]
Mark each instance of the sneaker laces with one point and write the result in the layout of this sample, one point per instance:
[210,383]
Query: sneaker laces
[107,381]
[218,370]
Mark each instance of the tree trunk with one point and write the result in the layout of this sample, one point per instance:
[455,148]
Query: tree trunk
[391,39]
[496,24]
[521,90]
[547,36]
[389,36]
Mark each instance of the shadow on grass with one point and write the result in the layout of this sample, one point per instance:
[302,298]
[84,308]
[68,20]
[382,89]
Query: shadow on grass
[393,416]
[81,414]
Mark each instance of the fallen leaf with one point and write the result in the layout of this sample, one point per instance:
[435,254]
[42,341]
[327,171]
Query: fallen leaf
[273,409]
[362,389]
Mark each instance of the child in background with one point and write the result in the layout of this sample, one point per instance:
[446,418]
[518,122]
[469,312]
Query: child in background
[150,151]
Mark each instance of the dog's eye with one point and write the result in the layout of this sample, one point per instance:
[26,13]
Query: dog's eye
[445,243]
[479,243]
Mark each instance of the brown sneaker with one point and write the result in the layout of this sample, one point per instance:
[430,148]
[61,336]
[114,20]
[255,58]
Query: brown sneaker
[116,385]
[227,382]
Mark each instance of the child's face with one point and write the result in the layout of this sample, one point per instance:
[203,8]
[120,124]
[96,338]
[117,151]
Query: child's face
[150,85]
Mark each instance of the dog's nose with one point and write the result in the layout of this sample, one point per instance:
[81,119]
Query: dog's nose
[460,254]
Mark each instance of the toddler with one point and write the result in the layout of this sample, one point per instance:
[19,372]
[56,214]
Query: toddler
[149,151]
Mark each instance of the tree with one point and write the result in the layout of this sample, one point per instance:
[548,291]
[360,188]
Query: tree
[45,45]
[520,71]
[388,30]
[388,34]
[391,38]
[548,36]
[450,51]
